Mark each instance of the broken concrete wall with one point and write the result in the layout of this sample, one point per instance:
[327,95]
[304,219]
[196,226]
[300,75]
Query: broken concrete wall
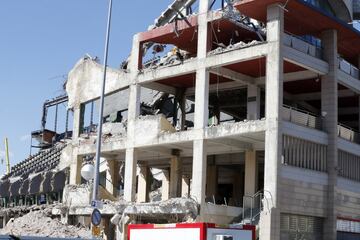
[89,70]
[150,127]
[77,195]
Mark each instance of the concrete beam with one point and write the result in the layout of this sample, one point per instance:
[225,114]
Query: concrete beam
[160,87]
[317,95]
[228,142]
[306,61]
[235,76]
[349,81]
[213,61]
[290,77]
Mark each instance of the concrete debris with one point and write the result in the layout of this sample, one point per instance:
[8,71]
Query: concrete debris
[174,57]
[222,48]
[172,210]
[114,129]
[155,196]
[19,211]
[40,224]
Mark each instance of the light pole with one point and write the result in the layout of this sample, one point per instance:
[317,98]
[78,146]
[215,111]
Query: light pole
[101,111]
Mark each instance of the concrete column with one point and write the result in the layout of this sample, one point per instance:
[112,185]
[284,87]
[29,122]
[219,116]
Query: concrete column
[76,162]
[203,29]
[183,112]
[165,187]
[112,176]
[329,109]
[270,217]
[359,98]
[75,168]
[199,171]
[359,114]
[175,176]
[253,102]
[133,113]
[251,173]
[201,108]
[185,186]
[135,56]
[211,180]
[143,184]
[238,188]
[130,175]
[77,122]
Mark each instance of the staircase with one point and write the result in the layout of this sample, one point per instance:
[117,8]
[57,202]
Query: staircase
[252,207]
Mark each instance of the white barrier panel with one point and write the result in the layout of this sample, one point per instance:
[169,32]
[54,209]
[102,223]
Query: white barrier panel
[189,231]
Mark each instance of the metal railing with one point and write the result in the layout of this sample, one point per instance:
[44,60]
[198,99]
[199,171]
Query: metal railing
[348,68]
[302,45]
[252,207]
[349,165]
[348,133]
[301,117]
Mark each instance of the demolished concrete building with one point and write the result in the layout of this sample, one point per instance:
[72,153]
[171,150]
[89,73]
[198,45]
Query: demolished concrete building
[247,114]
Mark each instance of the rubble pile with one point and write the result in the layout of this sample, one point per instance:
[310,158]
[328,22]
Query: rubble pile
[172,210]
[40,224]
[223,48]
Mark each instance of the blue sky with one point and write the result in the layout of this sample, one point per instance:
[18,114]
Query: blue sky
[41,40]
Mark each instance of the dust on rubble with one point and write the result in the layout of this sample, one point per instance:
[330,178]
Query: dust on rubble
[40,224]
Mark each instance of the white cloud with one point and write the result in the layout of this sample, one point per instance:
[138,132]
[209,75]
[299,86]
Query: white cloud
[25,138]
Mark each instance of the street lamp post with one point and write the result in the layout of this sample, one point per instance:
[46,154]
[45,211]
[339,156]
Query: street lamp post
[101,111]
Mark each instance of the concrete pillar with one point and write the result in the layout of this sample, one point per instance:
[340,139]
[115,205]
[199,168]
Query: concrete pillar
[211,181]
[359,114]
[251,173]
[133,113]
[5,220]
[203,37]
[253,102]
[130,175]
[112,176]
[182,104]
[78,122]
[75,168]
[199,171]
[359,98]
[329,109]
[270,217]
[201,108]
[143,185]
[238,188]
[165,187]
[175,176]
[135,56]
[185,186]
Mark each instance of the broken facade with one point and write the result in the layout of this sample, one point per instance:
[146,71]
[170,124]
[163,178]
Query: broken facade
[247,114]
[255,129]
